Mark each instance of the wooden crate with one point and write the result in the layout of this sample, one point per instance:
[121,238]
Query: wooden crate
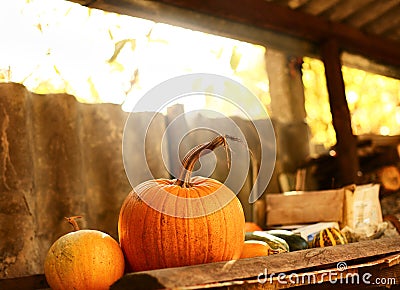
[302,207]
[347,206]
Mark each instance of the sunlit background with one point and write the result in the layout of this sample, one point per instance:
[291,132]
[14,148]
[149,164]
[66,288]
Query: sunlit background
[54,46]
[373,100]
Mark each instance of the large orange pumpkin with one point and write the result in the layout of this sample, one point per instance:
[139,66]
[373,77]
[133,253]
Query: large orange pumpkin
[185,221]
[84,259]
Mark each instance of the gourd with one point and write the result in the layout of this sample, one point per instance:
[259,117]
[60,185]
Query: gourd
[206,224]
[295,242]
[251,227]
[254,248]
[329,237]
[83,259]
[277,244]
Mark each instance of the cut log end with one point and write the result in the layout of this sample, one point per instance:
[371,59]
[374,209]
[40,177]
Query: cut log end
[389,177]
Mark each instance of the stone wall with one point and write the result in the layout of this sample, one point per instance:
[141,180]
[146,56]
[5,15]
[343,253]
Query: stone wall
[60,158]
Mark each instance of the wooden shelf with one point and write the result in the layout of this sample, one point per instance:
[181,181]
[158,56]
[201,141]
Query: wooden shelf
[368,259]
[313,268]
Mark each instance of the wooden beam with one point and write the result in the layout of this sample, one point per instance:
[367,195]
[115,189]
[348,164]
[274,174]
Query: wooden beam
[364,15]
[363,63]
[266,15]
[345,9]
[316,7]
[190,19]
[270,16]
[346,145]
[199,276]
[29,282]
[385,22]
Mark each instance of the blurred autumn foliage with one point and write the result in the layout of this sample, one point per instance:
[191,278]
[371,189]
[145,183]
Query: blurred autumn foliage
[373,100]
[55,46]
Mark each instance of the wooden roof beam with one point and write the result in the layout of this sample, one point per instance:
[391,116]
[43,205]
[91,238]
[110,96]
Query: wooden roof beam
[267,16]
[263,14]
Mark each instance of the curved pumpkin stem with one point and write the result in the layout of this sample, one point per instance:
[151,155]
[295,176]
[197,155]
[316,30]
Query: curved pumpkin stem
[194,154]
[72,221]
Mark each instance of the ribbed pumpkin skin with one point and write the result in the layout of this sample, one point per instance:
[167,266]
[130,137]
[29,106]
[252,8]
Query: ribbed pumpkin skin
[84,259]
[153,240]
[329,237]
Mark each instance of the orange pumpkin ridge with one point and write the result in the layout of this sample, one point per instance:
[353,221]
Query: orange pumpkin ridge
[206,224]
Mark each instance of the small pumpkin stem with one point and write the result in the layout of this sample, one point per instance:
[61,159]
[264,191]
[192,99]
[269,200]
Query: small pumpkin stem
[72,221]
[194,154]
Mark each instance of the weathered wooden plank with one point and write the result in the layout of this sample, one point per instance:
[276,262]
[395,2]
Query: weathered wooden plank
[393,33]
[362,63]
[371,12]
[385,22]
[25,283]
[359,276]
[345,8]
[316,7]
[385,269]
[245,269]
[295,4]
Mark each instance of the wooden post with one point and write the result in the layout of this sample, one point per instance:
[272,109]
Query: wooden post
[346,146]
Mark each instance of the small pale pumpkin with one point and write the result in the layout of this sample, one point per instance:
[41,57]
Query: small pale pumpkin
[83,259]
[206,224]
[329,237]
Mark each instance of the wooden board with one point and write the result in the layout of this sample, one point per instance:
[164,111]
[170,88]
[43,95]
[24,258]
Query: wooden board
[377,259]
[244,273]
[304,207]
[25,283]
